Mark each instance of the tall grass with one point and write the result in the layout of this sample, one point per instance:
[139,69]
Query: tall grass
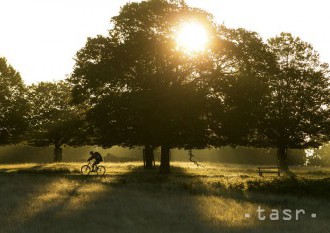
[213,198]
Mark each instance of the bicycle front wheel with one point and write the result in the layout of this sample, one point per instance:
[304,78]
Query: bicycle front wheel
[85,170]
[101,170]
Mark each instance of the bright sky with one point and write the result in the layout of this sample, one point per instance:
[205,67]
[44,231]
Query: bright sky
[40,37]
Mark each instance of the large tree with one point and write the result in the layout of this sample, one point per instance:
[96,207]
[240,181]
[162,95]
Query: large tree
[13,106]
[53,121]
[143,91]
[238,84]
[297,108]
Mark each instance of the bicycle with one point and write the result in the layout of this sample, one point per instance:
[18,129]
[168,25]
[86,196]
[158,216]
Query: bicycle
[88,168]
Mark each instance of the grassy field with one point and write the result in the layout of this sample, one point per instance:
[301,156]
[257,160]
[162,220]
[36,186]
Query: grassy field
[212,198]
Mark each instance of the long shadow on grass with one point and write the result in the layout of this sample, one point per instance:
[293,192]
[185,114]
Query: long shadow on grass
[145,201]
[45,169]
[137,201]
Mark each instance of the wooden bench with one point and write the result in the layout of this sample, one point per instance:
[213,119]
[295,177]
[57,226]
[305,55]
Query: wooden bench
[262,170]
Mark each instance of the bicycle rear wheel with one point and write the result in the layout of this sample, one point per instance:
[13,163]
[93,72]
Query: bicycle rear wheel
[101,170]
[85,170]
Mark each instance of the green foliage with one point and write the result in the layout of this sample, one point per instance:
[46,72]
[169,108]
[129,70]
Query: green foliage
[13,106]
[53,121]
[297,109]
[243,65]
[274,95]
[141,89]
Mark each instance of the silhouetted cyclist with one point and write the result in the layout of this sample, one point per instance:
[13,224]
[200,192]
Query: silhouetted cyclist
[97,157]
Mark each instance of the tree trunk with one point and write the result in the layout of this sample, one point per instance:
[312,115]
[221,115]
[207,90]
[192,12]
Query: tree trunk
[282,158]
[148,157]
[165,160]
[57,153]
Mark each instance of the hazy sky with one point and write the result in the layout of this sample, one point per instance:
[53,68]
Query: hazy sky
[40,37]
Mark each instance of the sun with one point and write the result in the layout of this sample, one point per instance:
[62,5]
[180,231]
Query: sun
[192,37]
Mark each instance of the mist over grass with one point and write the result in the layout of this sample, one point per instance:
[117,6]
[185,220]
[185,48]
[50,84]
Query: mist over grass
[209,198]
[28,154]
[243,155]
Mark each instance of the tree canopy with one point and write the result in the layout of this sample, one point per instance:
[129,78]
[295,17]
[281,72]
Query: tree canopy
[238,84]
[297,109]
[53,120]
[13,104]
[137,87]
[142,90]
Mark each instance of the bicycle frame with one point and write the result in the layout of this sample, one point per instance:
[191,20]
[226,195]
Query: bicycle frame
[90,164]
